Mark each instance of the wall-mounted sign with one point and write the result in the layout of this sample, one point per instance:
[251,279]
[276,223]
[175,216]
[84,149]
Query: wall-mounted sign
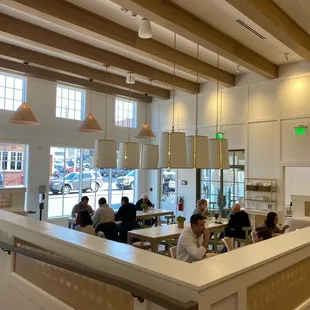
[300,130]
[184,182]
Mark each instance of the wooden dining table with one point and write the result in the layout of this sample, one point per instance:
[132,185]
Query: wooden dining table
[155,235]
[156,213]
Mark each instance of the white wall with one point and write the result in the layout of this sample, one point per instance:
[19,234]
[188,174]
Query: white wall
[59,132]
[257,115]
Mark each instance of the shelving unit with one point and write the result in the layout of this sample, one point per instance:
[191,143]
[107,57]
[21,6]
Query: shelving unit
[260,194]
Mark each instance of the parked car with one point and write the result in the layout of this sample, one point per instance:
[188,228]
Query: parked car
[127,181]
[115,172]
[91,181]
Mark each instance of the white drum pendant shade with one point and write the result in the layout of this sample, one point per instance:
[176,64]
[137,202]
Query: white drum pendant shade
[218,154]
[172,150]
[105,154]
[128,156]
[197,152]
[149,156]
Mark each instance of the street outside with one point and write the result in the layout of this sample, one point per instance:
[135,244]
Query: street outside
[66,202]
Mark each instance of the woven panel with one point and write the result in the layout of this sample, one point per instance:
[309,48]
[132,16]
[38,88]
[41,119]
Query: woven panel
[77,291]
[284,290]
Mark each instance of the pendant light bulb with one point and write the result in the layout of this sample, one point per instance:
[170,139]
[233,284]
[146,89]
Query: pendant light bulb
[145,29]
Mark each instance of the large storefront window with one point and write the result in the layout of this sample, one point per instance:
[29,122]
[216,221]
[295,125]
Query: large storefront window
[13,164]
[230,180]
[72,176]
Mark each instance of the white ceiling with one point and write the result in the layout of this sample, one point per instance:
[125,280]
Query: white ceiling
[223,16]
[216,12]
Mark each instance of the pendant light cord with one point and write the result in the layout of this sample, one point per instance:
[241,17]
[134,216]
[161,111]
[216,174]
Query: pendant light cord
[89,89]
[196,121]
[217,92]
[106,101]
[174,78]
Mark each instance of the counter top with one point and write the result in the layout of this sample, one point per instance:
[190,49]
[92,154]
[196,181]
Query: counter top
[196,276]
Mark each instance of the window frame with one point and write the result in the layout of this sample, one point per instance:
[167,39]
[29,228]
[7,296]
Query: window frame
[10,158]
[134,111]
[221,181]
[67,109]
[5,98]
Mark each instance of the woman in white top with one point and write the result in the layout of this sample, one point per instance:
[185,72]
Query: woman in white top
[104,214]
[84,223]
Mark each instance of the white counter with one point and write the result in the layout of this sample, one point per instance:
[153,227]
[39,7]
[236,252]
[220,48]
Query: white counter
[180,280]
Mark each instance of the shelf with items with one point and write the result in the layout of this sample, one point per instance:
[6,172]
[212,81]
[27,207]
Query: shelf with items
[260,194]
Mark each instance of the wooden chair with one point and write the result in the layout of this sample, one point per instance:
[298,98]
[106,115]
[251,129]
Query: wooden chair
[216,240]
[247,239]
[228,243]
[169,242]
[170,219]
[144,220]
[173,252]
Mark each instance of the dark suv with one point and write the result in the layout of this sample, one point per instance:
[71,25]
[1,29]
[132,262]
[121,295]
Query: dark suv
[115,172]
[91,181]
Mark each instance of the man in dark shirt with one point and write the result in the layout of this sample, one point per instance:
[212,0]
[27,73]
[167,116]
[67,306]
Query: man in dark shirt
[144,199]
[127,214]
[238,220]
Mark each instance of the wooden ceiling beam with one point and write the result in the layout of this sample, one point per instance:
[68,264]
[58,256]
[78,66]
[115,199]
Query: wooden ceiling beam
[274,20]
[55,40]
[56,76]
[73,14]
[56,63]
[171,16]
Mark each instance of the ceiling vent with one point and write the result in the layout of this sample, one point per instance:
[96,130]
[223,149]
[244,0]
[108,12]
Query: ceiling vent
[243,24]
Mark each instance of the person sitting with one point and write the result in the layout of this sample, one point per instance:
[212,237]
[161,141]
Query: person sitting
[238,220]
[81,206]
[202,208]
[128,215]
[103,221]
[261,234]
[84,223]
[104,214]
[271,224]
[193,242]
[144,200]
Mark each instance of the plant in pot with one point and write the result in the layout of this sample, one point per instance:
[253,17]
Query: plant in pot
[144,207]
[181,220]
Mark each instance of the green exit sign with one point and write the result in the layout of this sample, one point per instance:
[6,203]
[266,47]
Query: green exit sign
[300,130]
[219,136]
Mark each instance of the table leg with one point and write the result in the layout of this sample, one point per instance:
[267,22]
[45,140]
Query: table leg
[129,238]
[154,246]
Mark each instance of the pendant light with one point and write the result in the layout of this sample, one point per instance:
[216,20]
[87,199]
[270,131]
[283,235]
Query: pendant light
[145,131]
[197,146]
[23,115]
[172,145]
[145,29]
[105,150]
[130,78]
[218,147]
[90,123]
[148,152]
[128,154]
